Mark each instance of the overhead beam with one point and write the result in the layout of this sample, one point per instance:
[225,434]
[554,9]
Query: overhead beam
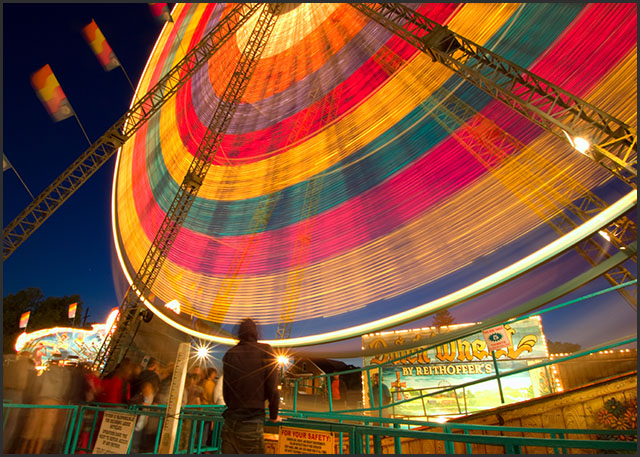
[40,209]
[613,144]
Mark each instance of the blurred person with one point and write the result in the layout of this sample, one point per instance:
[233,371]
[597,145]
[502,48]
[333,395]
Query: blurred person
[18,378]
[93,388]
[41,351]
[150,430]
[376,387]
[192,395]
[144,397]
[218,397]
[338,393]
[135,372]
[150,374]
[44,426]
[209,385]
[199,373]
[78,384]
[193,392]
[250,379]
[166,375]
[115,386]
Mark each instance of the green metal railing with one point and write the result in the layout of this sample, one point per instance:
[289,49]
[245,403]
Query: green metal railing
[356,426]
[358,432]
[326,377]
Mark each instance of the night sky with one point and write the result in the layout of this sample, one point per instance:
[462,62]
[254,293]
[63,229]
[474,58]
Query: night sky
[71,253]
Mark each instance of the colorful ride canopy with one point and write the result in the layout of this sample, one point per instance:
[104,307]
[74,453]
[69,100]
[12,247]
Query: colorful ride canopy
[342,192]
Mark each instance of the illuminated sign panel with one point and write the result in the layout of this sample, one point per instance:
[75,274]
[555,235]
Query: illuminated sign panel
[456,363]
[64,342]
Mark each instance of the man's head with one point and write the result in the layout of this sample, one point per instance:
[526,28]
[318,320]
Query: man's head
[153,365]
[211,373]
[198,373]
[247,330]
[375,378]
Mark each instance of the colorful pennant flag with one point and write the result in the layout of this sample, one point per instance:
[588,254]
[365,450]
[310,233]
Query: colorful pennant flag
[160,11]
[5,163]
[24,319]
[50,94]
[72,310]
[100,47]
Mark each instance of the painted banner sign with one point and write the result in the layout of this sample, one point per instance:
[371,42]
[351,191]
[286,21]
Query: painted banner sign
[455,363]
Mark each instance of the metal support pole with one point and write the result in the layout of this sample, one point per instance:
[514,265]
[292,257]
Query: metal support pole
[495,365]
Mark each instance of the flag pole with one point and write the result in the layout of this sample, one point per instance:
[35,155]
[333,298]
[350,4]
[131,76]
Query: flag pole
[17,174]
[127,76]
[81,127]
[25,186]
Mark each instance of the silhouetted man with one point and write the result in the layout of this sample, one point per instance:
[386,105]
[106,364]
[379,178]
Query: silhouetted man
[250,379]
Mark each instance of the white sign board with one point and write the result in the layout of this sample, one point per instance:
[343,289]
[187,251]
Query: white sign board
[304,441]
[115,433]
[174,404]
[496,338]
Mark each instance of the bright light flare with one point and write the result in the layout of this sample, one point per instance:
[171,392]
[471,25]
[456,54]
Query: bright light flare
[605,235]
[202,352]
[283,360]
[173,305]
[581,145]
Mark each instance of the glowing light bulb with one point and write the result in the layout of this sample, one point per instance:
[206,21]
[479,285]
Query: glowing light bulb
[581,145]
[282,360]
[605,235]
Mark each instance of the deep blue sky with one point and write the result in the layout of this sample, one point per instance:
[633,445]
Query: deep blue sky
[71,252]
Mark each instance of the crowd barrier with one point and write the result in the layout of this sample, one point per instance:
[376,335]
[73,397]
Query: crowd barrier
[355,434]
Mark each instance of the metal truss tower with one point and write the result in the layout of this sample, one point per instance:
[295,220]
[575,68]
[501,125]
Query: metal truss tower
[121,335]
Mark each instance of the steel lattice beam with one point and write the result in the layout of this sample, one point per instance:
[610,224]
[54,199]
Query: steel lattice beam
[105,147]
[124,328]
[613,143]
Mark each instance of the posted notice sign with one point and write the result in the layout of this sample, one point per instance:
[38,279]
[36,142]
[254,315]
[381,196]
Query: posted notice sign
[115,433]
[496,338]
[304,441]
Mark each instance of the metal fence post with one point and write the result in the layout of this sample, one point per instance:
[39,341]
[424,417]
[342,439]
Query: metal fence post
[495,364]
[449,447]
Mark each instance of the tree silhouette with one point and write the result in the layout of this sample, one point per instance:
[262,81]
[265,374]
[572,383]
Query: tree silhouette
[558,347]
[442,318]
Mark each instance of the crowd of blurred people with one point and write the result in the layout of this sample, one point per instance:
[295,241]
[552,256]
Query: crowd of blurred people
[64,382]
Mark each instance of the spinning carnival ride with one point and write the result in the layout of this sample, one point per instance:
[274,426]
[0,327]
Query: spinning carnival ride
[346,169]
[337,183]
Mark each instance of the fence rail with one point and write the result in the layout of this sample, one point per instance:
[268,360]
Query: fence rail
[356,433]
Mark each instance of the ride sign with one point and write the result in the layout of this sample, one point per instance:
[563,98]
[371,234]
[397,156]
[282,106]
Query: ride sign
[304,441]
[496,338]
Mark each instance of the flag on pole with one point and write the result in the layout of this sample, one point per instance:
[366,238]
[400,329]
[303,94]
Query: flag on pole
[5,163]
[160,11]
[50,94]
[24,319]
[94,38]
[72,310]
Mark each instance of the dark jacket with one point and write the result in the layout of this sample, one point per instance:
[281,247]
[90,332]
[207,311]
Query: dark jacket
[250,379]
